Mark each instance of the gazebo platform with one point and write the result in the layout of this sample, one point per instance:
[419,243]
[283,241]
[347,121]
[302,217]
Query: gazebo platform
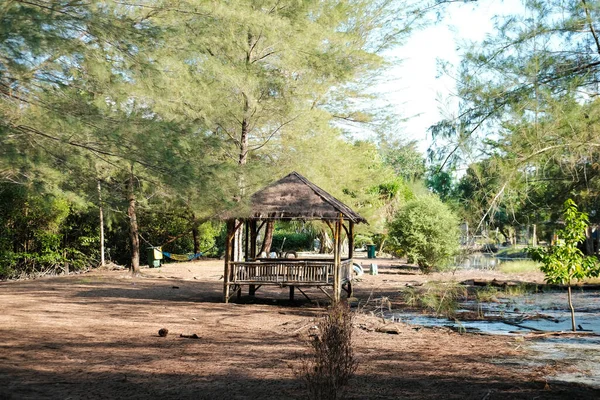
[290,198]
[290,273]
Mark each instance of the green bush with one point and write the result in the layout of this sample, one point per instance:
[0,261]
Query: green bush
[43,233]
[360,241]
[426,231]
[293,241]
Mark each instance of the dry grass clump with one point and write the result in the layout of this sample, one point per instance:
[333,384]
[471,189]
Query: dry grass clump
[440,298]
[331,364]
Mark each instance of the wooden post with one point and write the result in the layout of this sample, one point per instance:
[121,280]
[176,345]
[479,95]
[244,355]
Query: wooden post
[292,293]
[337,247]
[246,240]
[340,224]
[335,263]
[351,240]
[253,236]
[101,209]
[228,257]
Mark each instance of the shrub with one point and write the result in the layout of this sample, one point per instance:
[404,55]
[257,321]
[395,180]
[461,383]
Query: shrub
[331,364]
[293,241]
[360,241]
[426,231]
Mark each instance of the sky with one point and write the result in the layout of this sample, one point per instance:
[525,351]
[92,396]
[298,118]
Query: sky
[414,88]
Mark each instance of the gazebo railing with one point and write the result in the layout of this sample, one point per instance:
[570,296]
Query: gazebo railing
[288,272]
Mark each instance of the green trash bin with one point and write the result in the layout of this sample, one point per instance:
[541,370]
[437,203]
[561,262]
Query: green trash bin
[155,255]
[371,251]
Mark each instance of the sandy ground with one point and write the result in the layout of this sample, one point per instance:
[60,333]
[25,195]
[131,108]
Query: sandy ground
[95,336]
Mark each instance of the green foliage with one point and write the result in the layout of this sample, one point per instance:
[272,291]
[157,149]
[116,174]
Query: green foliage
[425,230]
[293,241]
[360,241]
[564,262]
[406,160]
[42,234]
[198,102]
[522,113]
[440,182]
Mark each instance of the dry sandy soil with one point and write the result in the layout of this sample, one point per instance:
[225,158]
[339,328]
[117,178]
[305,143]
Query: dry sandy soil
[95,336]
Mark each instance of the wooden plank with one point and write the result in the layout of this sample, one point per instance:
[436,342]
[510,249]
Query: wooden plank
[287,272]
[324,291]
[304,294]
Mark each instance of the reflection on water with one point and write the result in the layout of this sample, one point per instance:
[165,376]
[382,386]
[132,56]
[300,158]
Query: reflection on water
[483,261]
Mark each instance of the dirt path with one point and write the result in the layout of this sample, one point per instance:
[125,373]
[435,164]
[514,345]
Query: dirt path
[95,336]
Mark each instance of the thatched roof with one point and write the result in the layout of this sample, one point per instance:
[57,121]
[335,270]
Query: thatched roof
[295,197]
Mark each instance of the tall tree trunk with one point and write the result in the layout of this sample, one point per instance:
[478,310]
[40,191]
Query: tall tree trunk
[195,233]
[589,241]
[326,244]
[101,210]
[268,240]
[243,159]
[597,241]
[506,234]
[133,226]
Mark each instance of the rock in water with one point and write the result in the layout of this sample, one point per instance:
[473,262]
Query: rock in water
[163,332]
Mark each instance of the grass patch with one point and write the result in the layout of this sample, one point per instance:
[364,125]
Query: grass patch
[512,252]
[440,298]
[492,294]
[519,267]
[487,294]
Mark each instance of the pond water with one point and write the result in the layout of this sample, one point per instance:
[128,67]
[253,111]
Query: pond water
[483,261]
[521,314]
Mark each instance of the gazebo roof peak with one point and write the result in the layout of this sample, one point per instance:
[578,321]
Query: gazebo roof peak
[295,197]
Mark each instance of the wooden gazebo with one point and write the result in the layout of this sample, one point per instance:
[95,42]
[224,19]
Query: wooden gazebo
[291,198]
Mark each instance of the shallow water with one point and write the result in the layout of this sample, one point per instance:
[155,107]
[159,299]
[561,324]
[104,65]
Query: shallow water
[484,261]
[546,312]
[581,354]
[532,312]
